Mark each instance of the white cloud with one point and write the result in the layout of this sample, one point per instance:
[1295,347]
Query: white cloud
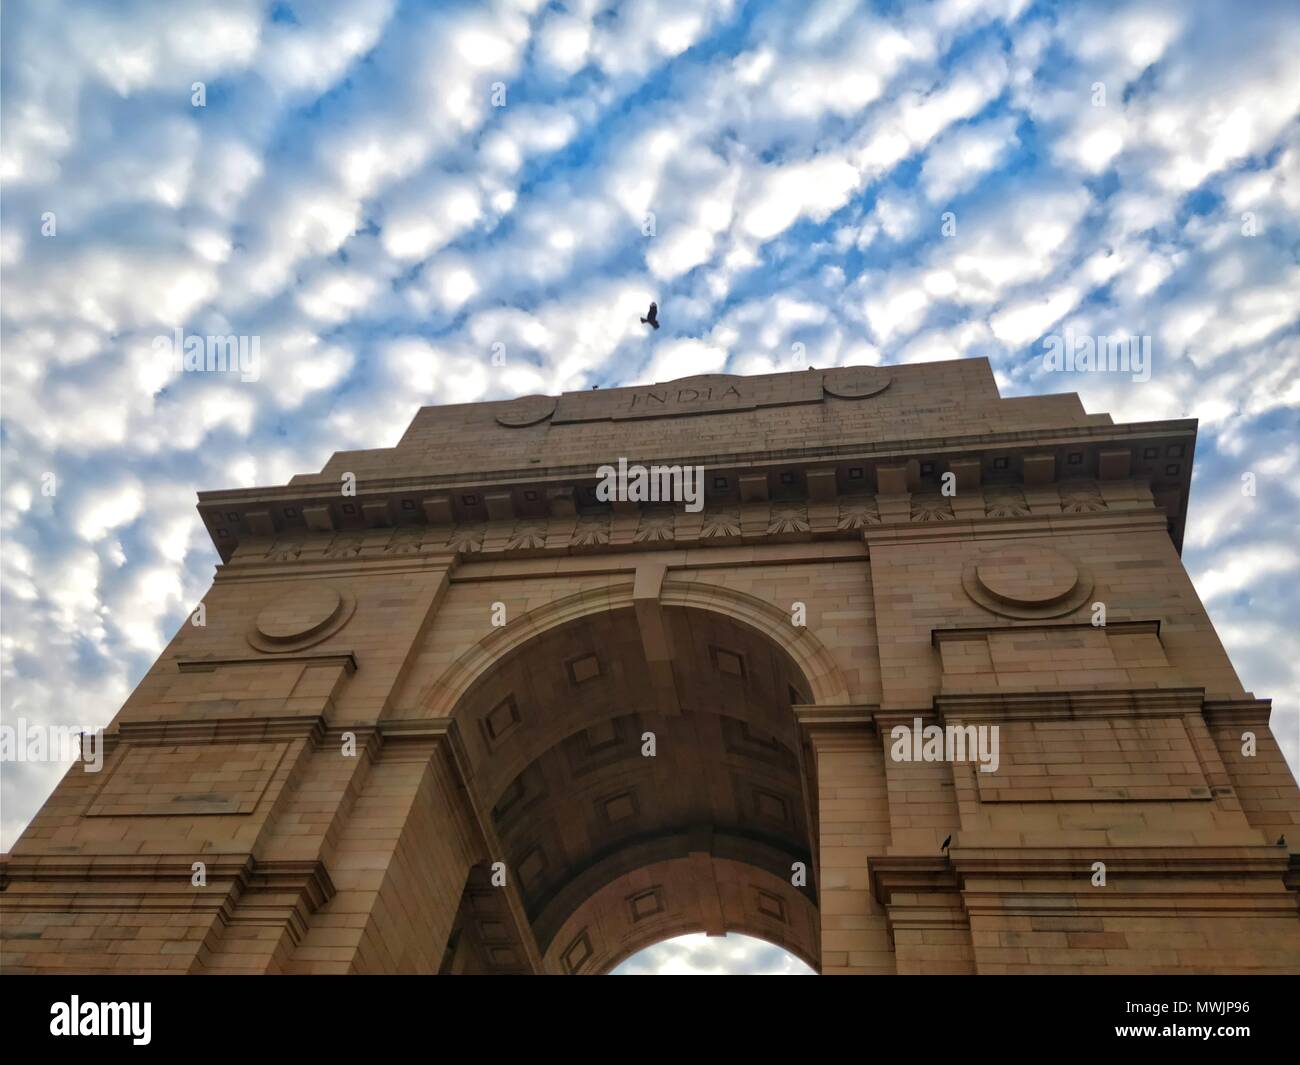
[815,188]
[961,158]
[700,955]
[686,358]
[108,510]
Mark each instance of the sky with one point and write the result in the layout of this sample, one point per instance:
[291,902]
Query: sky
[701,955]
[386,195]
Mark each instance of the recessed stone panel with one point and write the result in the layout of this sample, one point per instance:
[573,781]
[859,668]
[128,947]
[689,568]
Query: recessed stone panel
[501,719]
[192,780]
[769,905]
[728,663]
[577,952]
[646,904]
[620,807]
[583,669]
[1090,761]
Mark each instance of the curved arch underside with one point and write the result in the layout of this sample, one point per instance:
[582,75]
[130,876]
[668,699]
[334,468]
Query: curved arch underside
[632,800]
[691,893]
[824,683]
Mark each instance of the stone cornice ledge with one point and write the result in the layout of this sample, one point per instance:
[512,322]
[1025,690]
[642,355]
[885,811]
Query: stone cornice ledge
[1052,706]
[243,568]
[904,878]
[850,718]
[1176,882]
[344,659]
[221,730]
[1247,711]
[1028,863]
[986,528]
[980,632]
[242,889]
[1045,438]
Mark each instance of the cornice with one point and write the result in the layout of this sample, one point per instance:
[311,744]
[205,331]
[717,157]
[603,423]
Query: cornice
[220,730]
[1035,880]
[982,632]
[240,889]
[855,718]
[346,660]
[1048,706]
[869,451]
[1025,460]
[994,511]
[1248,711]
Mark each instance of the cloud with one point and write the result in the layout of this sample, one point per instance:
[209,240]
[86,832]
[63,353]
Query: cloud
[701,955]
[960,159]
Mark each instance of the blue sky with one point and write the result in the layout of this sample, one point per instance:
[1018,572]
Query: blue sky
[351,195]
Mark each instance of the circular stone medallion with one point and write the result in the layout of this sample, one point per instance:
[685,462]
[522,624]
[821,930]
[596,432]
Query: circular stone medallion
[855,382]
[526,410]
[1027,576]
[1026,581]
[303,616]
[299,614]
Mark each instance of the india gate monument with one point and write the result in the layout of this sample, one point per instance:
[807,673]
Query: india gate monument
[867,662]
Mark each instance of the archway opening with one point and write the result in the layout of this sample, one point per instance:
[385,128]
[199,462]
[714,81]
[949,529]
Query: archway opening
[634,790]
[702,955]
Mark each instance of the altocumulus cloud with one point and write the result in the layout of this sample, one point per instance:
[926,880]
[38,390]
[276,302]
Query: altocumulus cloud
[350,194]
[701,955]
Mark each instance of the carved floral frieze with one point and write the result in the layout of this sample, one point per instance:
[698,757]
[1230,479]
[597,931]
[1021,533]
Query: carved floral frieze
[664,525]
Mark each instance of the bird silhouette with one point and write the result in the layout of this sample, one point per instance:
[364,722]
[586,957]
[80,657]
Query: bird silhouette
[945,843]
[652,316]
[1281,841]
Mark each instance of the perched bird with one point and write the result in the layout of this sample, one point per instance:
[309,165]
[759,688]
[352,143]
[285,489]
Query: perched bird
[1281,841]
[945,843]
[652,318]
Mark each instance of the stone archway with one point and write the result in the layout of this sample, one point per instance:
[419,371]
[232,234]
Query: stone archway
[826,685]
[623,808]
[348,746]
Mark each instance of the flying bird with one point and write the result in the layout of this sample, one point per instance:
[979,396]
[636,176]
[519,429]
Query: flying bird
[652,317]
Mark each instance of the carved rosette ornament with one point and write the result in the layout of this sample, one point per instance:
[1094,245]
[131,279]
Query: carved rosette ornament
[931,508]
[656,526]
[720,524]
[285,550]
[1005,503]
[788,519]
[406,542]
[592,530]
[467,539]
[858,515]
[1081,498]
[344,547]
[527,537]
